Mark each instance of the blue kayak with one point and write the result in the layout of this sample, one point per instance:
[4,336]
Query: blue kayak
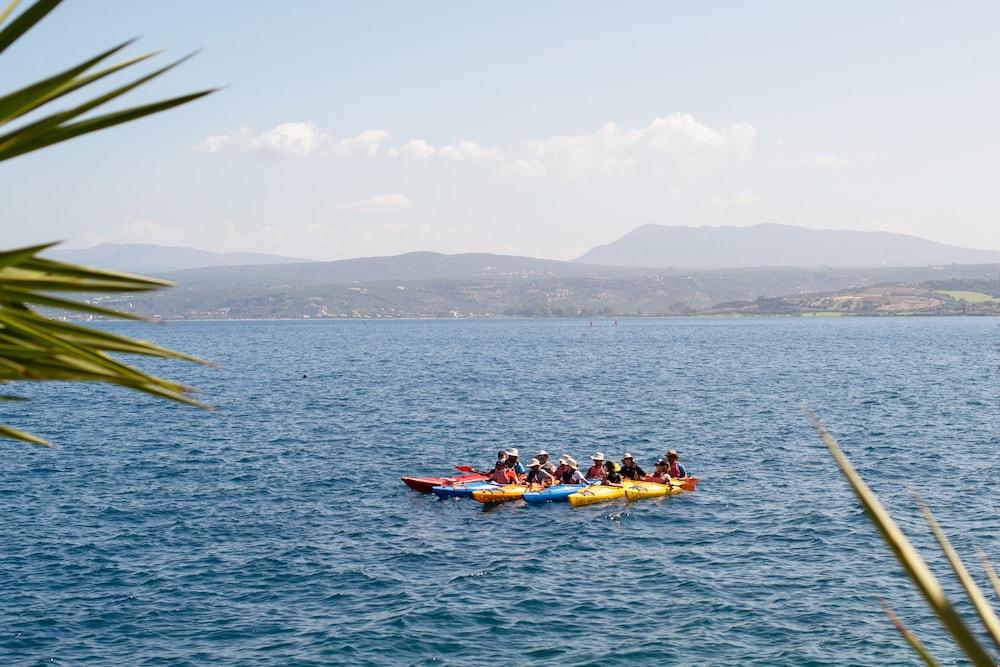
[557,493]
[461,490]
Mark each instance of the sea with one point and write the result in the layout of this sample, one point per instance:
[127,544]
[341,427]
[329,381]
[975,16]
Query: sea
[274,529]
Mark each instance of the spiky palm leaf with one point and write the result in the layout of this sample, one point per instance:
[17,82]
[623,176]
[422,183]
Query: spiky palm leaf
[34,346]
[921,575]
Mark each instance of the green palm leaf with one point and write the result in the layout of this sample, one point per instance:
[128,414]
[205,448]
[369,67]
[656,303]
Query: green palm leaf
[39,347]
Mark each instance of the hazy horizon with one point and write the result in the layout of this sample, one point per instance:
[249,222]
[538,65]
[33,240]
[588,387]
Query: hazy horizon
[529,130]
[82,246]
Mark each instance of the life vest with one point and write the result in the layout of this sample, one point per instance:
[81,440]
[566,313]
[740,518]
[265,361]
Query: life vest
[675,470]
[504,476]
[596,472]
[567,475]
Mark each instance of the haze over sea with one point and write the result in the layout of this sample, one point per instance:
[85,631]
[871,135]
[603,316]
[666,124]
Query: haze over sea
[275,531]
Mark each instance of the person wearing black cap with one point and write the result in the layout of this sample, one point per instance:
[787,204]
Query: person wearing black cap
[630,470]
[660,475]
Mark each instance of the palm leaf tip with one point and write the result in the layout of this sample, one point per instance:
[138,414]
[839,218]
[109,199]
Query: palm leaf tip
[976,597]
[911,639]
[17,434]
[990,573]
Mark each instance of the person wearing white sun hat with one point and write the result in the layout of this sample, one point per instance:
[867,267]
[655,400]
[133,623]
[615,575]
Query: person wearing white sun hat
[596,471]
[572,474]
[547,465]
[514,463]
[538,475]
[562,468]
[631,470]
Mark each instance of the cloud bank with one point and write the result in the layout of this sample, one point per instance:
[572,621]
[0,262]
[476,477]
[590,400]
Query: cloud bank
[678,137]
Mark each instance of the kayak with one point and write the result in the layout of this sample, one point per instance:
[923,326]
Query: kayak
[637,490]
[426,484]
[595,494]
[500,494]
[462,489]
[557,493]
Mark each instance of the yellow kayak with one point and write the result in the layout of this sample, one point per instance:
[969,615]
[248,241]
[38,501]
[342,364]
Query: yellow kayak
[500,494]
[595,494]
[636,490]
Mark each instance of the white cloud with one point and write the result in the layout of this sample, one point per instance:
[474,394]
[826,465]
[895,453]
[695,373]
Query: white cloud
[386,203]
[365,143]
[466,150]
[414,149]
[213,143]
[612,149]
[292,139]
[298,139]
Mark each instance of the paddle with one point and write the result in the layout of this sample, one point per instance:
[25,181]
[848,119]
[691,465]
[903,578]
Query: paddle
[470,469]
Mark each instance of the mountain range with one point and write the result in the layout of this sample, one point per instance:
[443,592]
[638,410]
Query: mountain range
[156,259]
[776,245]
[633,278]
[646,247]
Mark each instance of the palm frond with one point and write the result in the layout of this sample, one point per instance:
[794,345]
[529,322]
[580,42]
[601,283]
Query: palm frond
[979,603]
[911,560]
[68,123]
[37,347]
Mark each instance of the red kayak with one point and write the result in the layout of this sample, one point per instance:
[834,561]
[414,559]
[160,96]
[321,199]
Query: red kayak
[425,484]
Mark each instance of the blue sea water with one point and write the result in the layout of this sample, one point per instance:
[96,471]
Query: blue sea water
[275,530]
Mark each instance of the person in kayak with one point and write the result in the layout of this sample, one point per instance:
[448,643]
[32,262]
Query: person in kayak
[514,462]
[500,462]
[611,476]
[660,474]
[562,467]
[629,468]
[503,474]
[572,474]
[596,471]
[547,465]
[537,474]
[674,466]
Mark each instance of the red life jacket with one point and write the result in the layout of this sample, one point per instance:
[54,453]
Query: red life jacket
[596,471]
[504,476]
[674,470]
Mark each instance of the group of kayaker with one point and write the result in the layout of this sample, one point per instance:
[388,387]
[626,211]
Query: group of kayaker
[508,469]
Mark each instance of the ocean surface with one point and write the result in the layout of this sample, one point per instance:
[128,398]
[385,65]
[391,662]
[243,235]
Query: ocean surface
[274,530]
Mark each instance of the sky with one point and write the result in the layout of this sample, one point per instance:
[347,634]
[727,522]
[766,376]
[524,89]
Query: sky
[530,128]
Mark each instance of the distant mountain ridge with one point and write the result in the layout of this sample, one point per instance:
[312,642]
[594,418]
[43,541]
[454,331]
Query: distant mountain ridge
[774,245]
[426,284]
[156,259]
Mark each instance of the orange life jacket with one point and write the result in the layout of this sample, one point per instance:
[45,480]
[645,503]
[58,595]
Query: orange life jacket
[505,476]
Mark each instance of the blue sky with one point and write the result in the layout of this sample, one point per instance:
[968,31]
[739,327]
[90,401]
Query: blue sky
[533,128]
